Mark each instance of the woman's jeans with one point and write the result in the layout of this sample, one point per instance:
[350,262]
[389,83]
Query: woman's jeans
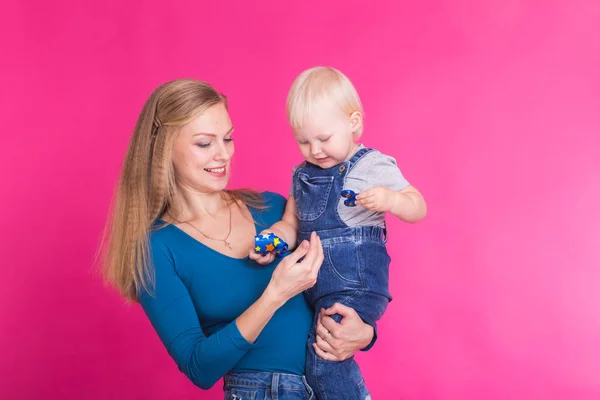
[266,386]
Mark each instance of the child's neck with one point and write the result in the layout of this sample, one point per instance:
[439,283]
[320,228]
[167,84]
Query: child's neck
[353,152]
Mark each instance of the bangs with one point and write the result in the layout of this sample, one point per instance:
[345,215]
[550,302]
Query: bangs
[316,88]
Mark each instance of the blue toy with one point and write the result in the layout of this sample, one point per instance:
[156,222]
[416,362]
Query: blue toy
[269,242]
[350,197]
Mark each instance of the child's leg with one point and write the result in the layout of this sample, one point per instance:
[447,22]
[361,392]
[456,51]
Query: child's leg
[332,380]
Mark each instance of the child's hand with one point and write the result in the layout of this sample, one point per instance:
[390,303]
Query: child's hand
[379,199]
[262,260]
[259,258]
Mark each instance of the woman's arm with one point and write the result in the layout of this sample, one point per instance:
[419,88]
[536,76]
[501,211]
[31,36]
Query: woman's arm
[204,360]
[289,278]
[345,338]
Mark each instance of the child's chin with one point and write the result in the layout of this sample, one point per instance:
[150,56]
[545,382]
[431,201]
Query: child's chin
[330,162]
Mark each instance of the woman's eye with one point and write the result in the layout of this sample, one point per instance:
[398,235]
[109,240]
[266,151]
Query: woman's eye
[203,145]
[227,140]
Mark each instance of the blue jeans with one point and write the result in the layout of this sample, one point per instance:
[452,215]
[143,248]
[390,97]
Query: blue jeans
[266,386]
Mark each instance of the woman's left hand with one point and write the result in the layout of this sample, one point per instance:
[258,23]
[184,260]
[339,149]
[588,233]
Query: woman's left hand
[339,341]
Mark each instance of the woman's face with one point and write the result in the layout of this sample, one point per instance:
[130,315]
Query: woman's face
[202,151]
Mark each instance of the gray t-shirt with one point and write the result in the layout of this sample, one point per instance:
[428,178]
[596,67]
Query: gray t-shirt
[373,169]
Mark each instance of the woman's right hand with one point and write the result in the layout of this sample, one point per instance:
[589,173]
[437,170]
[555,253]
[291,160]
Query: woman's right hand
[291,277]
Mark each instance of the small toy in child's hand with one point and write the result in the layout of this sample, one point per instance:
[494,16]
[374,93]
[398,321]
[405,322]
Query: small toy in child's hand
[269,242]
[350,197]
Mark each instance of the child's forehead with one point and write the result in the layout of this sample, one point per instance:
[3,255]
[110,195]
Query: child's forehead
[318,127]
[324,116]
[325,105]
[320,122]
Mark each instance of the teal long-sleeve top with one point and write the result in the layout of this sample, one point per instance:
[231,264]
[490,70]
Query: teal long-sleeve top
[199,293]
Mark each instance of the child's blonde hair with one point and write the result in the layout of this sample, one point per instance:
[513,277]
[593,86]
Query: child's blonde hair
[317,85]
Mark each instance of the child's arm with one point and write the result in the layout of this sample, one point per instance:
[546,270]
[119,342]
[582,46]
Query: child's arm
[286,229]
[407,204]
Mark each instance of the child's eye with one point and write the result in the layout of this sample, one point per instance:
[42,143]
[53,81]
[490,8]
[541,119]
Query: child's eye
[302,143]
[203,145]
[324,140]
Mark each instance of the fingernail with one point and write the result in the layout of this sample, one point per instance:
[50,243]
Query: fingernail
[304,244]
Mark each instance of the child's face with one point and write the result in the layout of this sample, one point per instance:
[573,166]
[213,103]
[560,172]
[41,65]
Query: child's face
[329,138]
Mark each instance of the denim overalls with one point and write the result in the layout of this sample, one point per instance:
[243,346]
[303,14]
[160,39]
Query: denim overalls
[355,270]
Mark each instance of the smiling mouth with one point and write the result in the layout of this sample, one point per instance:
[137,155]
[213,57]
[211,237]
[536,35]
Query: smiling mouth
[219,170]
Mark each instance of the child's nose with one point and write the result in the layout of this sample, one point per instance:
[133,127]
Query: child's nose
[314,149]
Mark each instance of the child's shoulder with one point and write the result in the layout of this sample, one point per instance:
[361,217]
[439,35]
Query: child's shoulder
[376,158]
[297,166]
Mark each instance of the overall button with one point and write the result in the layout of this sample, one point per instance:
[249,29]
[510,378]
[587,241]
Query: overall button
[342,168]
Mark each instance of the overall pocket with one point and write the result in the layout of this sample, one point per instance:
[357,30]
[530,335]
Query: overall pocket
[342,264]
[311,196]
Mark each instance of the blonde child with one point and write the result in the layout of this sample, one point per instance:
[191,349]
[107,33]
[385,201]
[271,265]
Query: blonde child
[325,113]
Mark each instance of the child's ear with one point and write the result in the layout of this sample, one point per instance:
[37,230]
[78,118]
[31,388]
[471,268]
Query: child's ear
[356,123]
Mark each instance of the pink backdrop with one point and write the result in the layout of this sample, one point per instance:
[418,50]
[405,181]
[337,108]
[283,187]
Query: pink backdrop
[490,106]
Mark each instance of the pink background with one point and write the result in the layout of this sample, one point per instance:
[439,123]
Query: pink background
[490,106]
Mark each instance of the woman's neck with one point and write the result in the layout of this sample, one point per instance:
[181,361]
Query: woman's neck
[192,204]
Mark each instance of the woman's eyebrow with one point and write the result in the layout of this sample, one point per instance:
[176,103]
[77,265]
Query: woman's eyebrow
[212,134]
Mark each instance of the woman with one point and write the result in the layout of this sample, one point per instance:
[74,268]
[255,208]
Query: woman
[178,244]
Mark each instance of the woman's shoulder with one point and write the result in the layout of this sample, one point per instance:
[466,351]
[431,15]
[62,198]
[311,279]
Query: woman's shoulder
[272,209]
[273,199]
[161,234]
[166,235]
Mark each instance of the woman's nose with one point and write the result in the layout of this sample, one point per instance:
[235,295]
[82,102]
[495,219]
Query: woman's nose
[222,152]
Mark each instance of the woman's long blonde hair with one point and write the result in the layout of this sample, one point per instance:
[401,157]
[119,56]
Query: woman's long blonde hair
[147,186]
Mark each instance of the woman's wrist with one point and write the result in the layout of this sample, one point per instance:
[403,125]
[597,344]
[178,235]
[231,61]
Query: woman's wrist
[369,334]
[272,298]
[254,319]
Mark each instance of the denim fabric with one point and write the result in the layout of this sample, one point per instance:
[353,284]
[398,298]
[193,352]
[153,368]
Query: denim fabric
[355,271]
[266,386]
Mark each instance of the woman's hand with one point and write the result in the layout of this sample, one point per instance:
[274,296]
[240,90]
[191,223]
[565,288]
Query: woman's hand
[292,277]
[339,341]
